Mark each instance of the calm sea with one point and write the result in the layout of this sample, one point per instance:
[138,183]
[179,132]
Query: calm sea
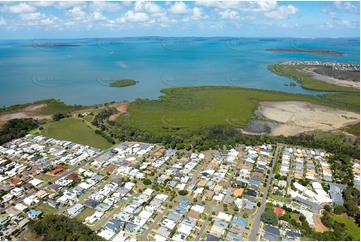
[78,71]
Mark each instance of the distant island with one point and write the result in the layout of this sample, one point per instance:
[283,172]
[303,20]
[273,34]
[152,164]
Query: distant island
[123,83]
[312,51]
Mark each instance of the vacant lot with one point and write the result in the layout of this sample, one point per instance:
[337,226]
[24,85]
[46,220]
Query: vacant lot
[73,129]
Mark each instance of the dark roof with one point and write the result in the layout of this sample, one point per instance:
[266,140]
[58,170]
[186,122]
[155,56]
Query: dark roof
[292,234]
[251,193]
[212,238]
[272,230]
[270,237]
[91,203]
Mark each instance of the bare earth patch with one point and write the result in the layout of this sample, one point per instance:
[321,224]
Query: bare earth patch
[330,79]
[319,227]
[122,108]
[293,117]
[31,111]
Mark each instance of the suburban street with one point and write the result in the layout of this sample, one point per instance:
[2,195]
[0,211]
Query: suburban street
[257,218]
[144,236]
[46,185]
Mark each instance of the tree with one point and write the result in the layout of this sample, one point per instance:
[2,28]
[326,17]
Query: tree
[327,208]
[58,116]
[147,182]
[62,228]
[183,192]
[269,217]
[339,210]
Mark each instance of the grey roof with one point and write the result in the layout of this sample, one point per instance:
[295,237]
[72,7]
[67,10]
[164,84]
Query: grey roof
[292,234]
[314,206]
[91,203]
[272,230]
[233,237]
[270,237]
[52,203]
[336,195]
[163,231]
[212,238]
[114,225]
[176,217]
[220,223]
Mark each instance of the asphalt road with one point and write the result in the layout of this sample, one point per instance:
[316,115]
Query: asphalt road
[257,217]
[144,236]
[46,185]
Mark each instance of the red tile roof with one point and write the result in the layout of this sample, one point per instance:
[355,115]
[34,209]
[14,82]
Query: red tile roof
[278,211]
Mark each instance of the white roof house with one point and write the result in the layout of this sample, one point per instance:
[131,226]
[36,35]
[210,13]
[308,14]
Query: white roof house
[35,182]
[299,186]
[224,216]
[198,208]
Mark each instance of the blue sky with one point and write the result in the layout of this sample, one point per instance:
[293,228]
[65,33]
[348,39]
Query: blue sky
[24,20]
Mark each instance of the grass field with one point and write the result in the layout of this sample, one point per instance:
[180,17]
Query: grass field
[46,209]
[75,130]
[351,226]
[190,108]
[306,80]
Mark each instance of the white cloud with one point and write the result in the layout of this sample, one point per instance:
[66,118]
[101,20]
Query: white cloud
[42,3]
[31,16]
[105,6]
[2,21]
[229,14]
[346,6]
[77,13]
[282,12]
[149,7]
[179,8]
[18,8]
[131,16]
[69,4]
[198,13]
[97,16]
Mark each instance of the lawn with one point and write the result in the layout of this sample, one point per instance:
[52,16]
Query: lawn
[84,214]
[190,108]
[306,80]
[73,129]
[46,209]
[280,198]
[350,225]
[45,177]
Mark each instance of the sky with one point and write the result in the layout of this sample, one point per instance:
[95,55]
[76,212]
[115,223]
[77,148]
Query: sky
[101,19]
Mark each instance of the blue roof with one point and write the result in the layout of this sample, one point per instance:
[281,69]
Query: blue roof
[234,237]
[34,213]
[240,221]
[180,210]
[184,203]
